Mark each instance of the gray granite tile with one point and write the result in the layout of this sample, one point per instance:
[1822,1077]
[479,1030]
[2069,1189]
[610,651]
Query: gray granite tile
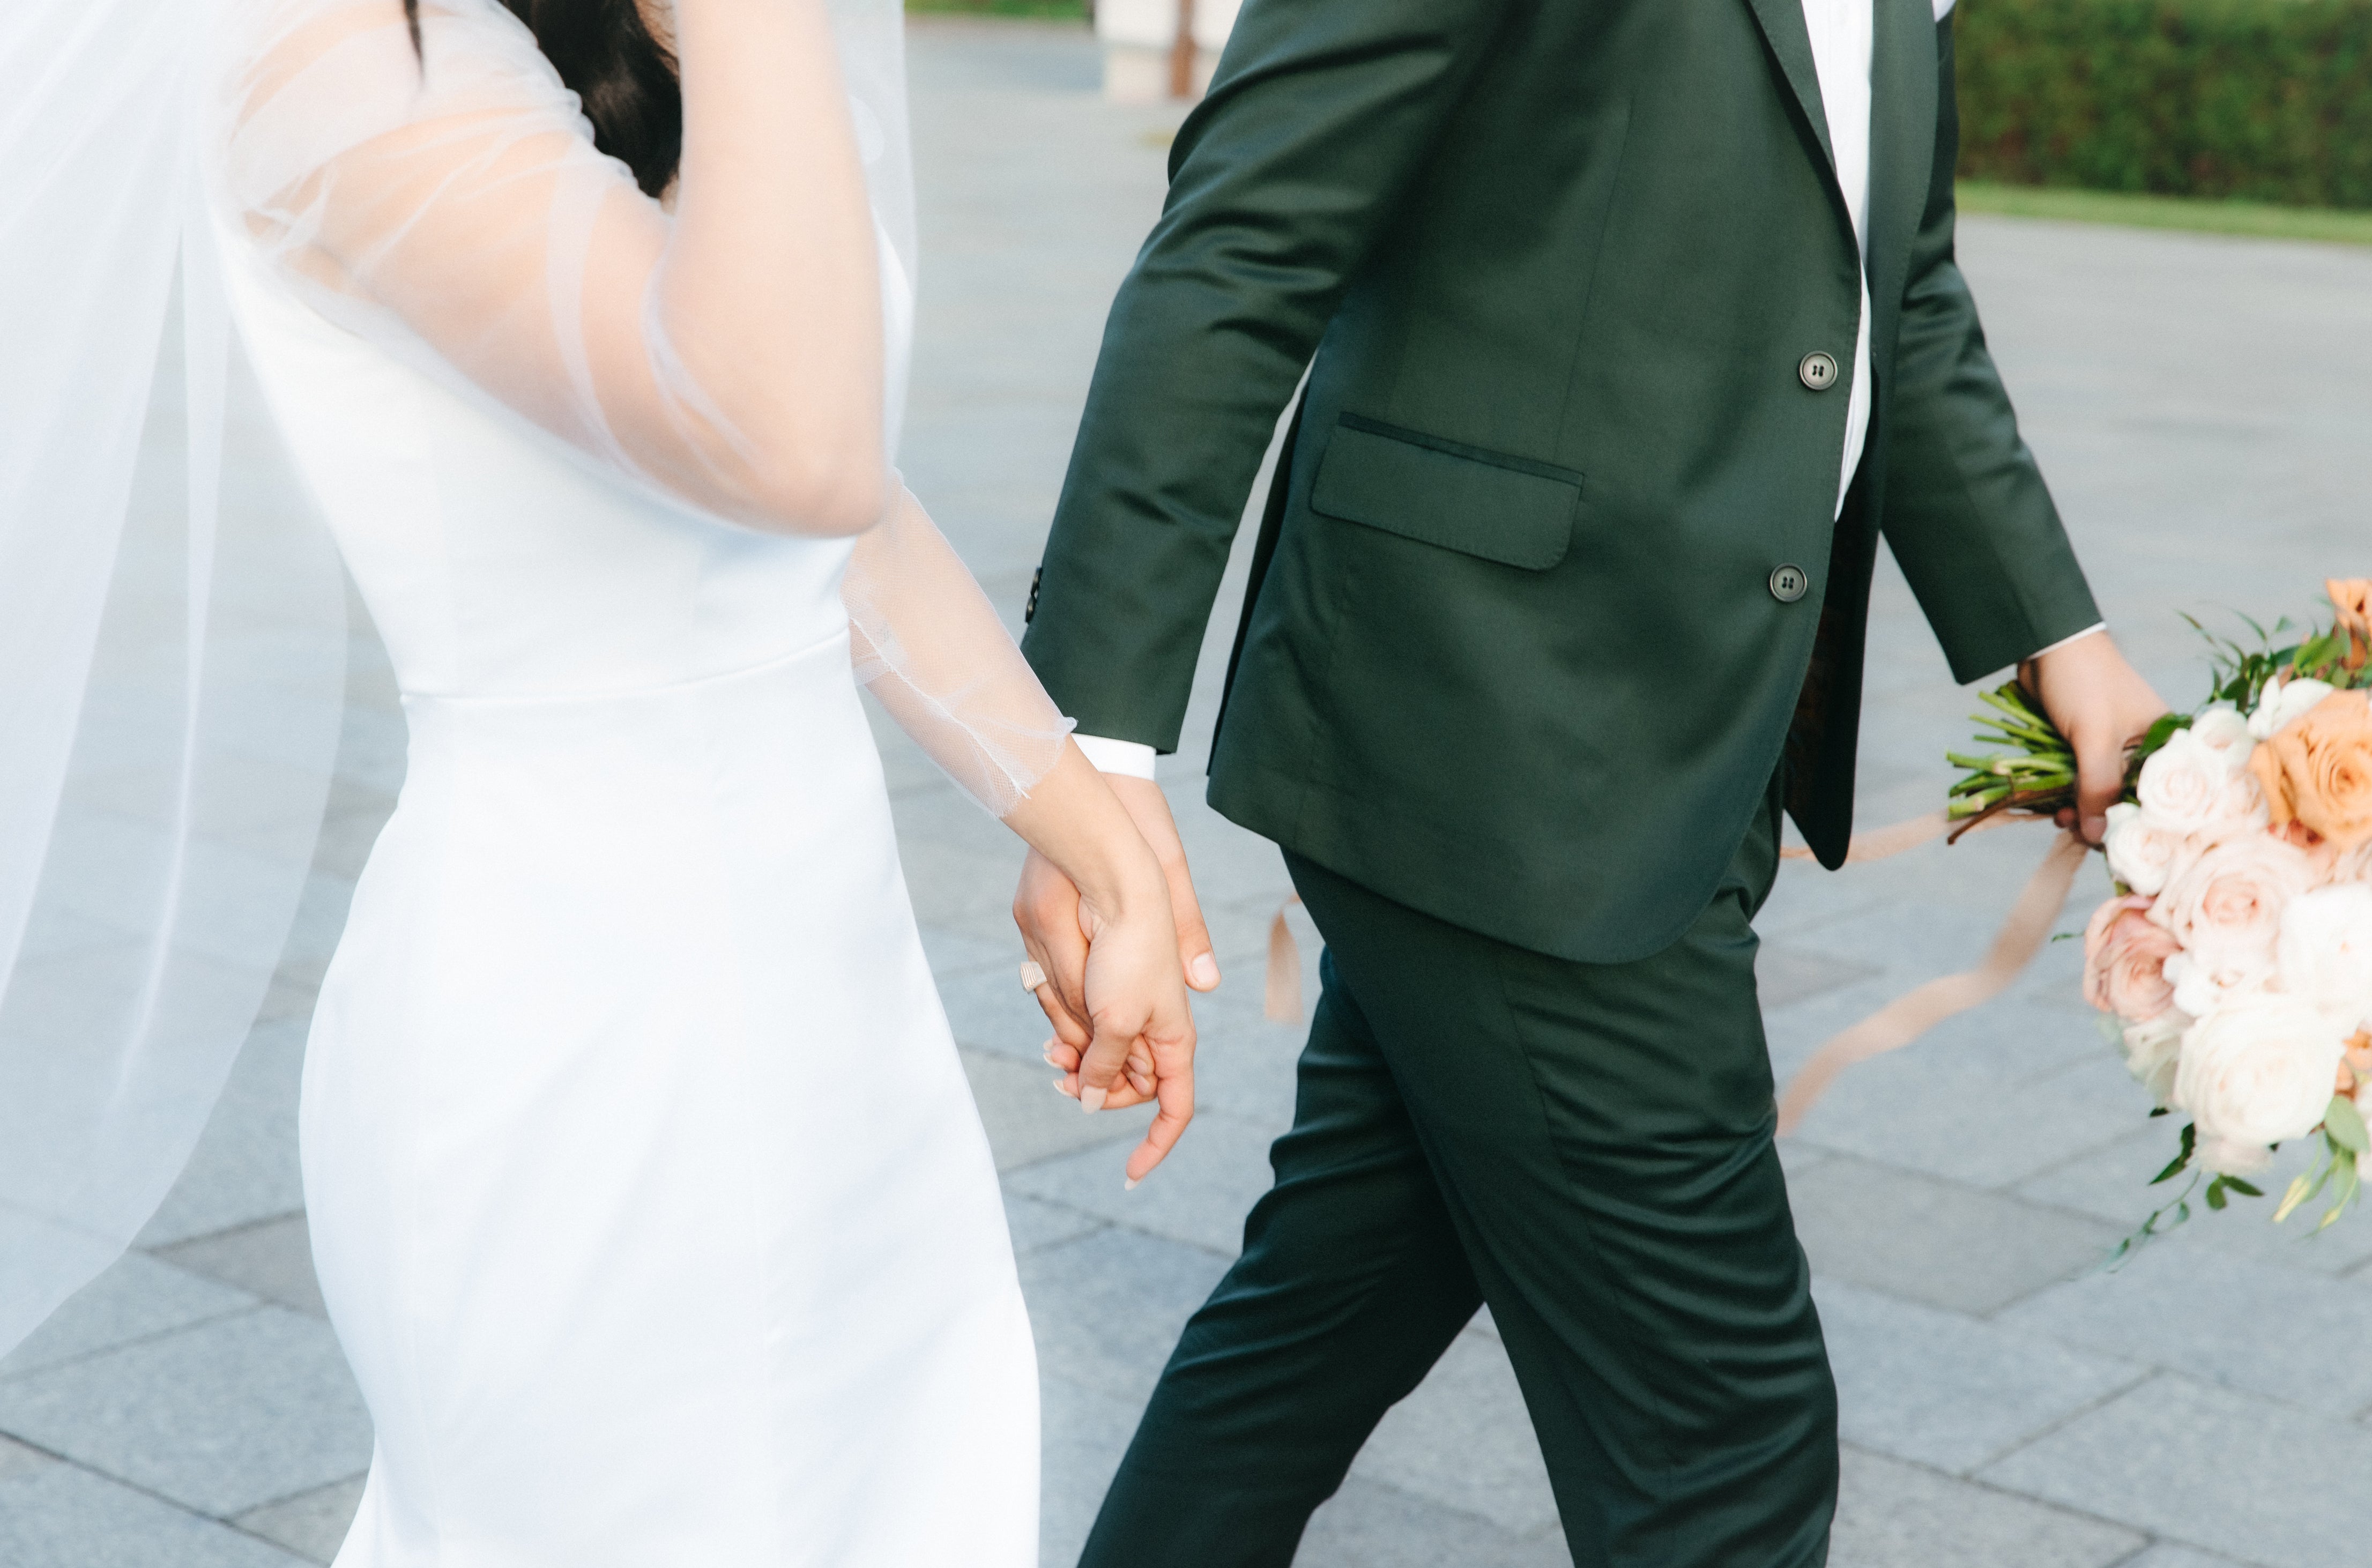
[1036,1224]
[1028,1119]
[1369,1524]
[59,1516]
[320,915]
[136,1299]
[946,815]
[1784,975]
[1199,1195]
[219,1418]
[273,1259]
[1079,1290]
[963,890]
[1911,1234]
[2112,1182]
[1922,1110]
[311,1523]
[1244,1064]
[346,841]
[988,1010]
[293,992]
[1946,1390]
[2165,1554]
[953,953]
[1463,1439]
[1086,1432]
[2204,1314]
[1890,1515]
[244,1168]
[2213,1468]
[16,1459]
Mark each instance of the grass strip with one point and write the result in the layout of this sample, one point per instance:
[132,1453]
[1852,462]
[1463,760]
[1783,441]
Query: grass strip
[1034,10]
[2201,214]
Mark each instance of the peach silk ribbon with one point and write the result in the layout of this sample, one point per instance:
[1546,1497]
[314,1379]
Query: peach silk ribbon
[1893,1026]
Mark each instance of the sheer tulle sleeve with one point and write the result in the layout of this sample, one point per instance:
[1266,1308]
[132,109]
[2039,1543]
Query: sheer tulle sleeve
[929,644]
[450,204]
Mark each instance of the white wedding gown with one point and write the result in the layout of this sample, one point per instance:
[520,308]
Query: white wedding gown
[647,1196]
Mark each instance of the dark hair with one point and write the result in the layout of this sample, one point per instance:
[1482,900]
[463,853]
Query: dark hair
[624,76]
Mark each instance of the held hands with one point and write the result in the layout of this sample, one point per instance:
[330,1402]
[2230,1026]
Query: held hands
[2102,705]
[1086,956]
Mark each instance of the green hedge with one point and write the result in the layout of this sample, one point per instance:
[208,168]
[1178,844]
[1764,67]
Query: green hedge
[2266,99]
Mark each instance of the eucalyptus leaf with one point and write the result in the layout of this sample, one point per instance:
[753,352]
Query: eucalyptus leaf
[2300,1186]
[2345,1125]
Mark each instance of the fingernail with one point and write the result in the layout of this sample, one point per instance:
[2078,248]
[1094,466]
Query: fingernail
[1130,1185]
[1091,1100]
[1204,970]
[1049,1057]
[1060,1090]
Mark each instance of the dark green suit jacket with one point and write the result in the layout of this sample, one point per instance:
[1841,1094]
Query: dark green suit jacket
[1514,655]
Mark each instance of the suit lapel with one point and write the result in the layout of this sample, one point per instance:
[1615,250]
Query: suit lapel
[1901,155]
[1791,43]
[1790,39]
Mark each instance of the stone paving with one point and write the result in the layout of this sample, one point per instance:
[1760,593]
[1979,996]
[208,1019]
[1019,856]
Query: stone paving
[2203,407]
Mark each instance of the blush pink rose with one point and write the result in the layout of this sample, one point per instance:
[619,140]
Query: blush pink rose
[2124,961]
[2192,785]
[2224,907]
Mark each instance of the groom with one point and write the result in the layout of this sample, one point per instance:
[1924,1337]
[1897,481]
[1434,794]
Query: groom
[1636,323]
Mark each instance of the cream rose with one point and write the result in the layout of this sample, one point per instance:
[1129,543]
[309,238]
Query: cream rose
[2140,853]
[2190,785]
[2259,1070]
[2153,1050]
[2225,905]
[2224,728]
[2325,952]
[2283,701]
[2198,989]
[2124,961]
[2228,1156]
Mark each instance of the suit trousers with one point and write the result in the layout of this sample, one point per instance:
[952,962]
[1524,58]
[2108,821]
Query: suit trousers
[1589,1148]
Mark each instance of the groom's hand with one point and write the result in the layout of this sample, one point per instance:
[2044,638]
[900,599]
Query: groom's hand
[2102,705]
[1046,908]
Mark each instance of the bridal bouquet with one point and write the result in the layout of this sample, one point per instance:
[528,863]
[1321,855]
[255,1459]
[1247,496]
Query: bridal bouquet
[2235,959]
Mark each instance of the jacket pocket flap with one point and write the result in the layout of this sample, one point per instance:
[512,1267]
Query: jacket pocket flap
[1504,509]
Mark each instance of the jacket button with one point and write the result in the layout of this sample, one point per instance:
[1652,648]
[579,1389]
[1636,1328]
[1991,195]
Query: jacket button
[1789,584]
[1818,371]
[1030,610]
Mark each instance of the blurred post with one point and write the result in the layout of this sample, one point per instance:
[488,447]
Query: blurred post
[1181,54]
[1161,49]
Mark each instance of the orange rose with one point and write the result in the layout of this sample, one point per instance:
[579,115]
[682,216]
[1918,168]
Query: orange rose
[2352,597]
[2318,769]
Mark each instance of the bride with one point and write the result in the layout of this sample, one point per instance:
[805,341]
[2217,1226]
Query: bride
[646,1194]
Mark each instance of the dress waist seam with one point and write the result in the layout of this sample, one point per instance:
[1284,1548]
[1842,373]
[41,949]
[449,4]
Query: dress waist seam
[838,639]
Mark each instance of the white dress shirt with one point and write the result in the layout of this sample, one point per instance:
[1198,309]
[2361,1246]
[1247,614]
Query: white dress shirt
[1844,45]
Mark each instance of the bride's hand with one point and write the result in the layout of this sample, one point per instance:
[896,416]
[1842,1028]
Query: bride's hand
[1125,1034]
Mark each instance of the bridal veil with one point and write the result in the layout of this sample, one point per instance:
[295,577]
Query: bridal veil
[172,627]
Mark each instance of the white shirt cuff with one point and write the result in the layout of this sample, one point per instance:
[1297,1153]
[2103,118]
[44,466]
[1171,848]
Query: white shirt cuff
[2096,626]
[1129,758]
